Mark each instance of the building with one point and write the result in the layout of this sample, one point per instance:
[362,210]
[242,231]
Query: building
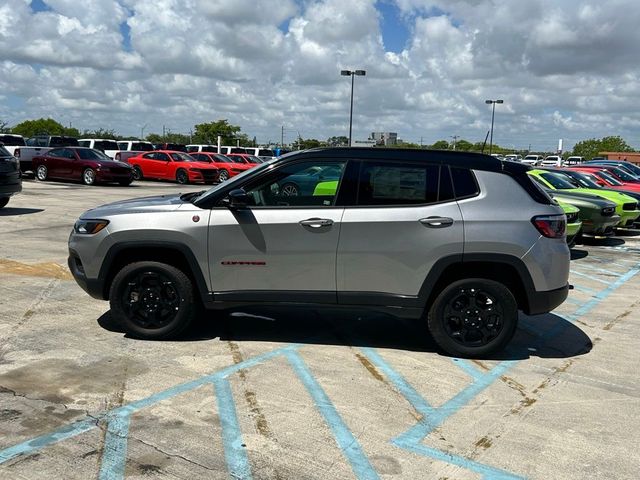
[384,138]
[633,157]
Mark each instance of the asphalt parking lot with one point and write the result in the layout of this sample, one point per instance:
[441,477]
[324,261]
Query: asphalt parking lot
[304,394]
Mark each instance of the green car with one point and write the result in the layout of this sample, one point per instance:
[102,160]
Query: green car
[574,224]
[626,206]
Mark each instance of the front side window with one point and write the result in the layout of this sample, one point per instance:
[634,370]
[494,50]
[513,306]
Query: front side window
[397,184]
[311,183]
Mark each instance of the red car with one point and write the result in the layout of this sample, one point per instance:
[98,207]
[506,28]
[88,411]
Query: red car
[172,165]
[227,166]
[605,178]
[81,163]
[246,158]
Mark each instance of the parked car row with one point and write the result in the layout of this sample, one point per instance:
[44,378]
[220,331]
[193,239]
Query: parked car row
[90,165]
[605,202]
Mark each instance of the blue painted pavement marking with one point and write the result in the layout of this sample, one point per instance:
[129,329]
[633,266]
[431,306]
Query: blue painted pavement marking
[349,445]
[582,289]
[590,277]
[234,450]
[595,269]
[114,455]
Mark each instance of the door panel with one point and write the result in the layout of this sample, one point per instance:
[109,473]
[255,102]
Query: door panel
[391,250]
[269,249]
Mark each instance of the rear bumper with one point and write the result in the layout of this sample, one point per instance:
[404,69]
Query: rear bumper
[544,302]
[10,184]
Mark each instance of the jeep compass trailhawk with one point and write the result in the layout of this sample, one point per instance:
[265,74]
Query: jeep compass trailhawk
[462,241]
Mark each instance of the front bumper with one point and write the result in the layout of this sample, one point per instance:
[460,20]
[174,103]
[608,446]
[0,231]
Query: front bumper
[93,287]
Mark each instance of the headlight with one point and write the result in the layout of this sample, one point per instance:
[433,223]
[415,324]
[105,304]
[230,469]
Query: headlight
[89,227]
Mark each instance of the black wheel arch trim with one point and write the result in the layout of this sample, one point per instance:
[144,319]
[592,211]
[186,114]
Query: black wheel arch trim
[106,274]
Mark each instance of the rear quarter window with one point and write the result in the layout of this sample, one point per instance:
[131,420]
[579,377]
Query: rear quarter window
[464,183]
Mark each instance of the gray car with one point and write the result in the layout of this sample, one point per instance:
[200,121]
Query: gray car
[461,241]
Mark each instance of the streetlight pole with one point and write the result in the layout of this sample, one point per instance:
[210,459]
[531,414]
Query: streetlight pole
[352,74]
[493,112]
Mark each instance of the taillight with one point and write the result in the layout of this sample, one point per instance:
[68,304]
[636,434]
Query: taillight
[550,226]
[17,153]
[117,156]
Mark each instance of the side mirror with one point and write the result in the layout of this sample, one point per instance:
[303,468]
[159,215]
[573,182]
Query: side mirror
[238,198]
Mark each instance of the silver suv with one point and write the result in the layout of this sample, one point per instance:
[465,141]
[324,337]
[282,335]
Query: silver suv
[461,241]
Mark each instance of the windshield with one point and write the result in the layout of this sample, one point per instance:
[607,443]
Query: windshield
[181,157]
[105,145]
[254,159]
[584,180]
[237,178]
[557,181]
[610,178]
[238,159]
[624,175]
[91,154]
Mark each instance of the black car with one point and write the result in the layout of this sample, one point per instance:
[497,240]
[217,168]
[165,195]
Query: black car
[10,178]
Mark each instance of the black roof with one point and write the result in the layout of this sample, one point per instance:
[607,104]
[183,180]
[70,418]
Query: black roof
[476,161]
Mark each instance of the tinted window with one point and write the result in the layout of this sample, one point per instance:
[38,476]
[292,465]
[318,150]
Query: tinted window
[397,184]
[122,145]
[105,145]
[237,150]
[311,183]
[62,142]
[464,183]
[264,152]
[12,141]
[4,152]
[84,143]
[181,157]
[91,154]
[141,147]
[556,180]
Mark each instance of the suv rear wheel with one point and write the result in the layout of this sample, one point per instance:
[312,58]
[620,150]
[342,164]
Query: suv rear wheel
[473,317]
[152,300]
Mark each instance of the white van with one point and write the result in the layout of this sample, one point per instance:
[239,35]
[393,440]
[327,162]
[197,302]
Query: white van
[263,153]
[108,146]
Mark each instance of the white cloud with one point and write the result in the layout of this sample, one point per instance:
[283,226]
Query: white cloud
[565,68]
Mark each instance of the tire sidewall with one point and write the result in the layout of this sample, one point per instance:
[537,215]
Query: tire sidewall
[84,176]
[137,173]
[45,170]
[223,176]
[184,289]
[182,177]
[501,294]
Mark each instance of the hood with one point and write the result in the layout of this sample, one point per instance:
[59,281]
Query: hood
[612,195]
[163,203]
[567,196]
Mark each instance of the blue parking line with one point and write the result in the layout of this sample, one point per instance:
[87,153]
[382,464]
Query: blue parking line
[114,454]
[596,269]
[234,449]
[582,289]
[590,277]
[349,445]
[469,368]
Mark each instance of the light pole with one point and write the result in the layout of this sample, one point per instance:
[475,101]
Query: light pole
[352,74]
[493,112]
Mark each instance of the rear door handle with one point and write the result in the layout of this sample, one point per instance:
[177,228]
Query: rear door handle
[316,222]
[436,222]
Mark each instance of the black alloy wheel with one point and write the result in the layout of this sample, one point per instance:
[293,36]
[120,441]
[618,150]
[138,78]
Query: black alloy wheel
[137,173]
[223,176]
[152,300]
[182,177]
[473,317]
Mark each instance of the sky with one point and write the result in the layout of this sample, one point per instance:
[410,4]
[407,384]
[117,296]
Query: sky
[565,68]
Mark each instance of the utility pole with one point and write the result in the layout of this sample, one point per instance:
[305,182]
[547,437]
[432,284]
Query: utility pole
[282,137]
[455,139]
[164,134]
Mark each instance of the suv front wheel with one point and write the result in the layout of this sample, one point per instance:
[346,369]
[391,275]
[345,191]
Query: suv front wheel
[152,300]
[473,317]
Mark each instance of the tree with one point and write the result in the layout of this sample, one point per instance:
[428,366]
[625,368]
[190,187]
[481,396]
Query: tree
[178,138]
[4,127]
[101,133]
[592,147]
[440,145]
[44,126]
[208,133]
[338,141]
[304,144]
[464,146]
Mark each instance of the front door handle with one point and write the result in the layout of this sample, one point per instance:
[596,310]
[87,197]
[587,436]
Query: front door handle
[436,222]
[316,222]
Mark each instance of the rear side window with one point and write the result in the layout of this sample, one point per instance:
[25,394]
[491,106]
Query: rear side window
[384,183]
[464,183]
[12,141]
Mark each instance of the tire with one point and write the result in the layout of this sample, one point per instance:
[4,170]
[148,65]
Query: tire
[89,176]
[289,190]
[182,177]
[137,173]
[42,173]
[125,183]
[152,300]
[473,318]
[4,201]
[223,176]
